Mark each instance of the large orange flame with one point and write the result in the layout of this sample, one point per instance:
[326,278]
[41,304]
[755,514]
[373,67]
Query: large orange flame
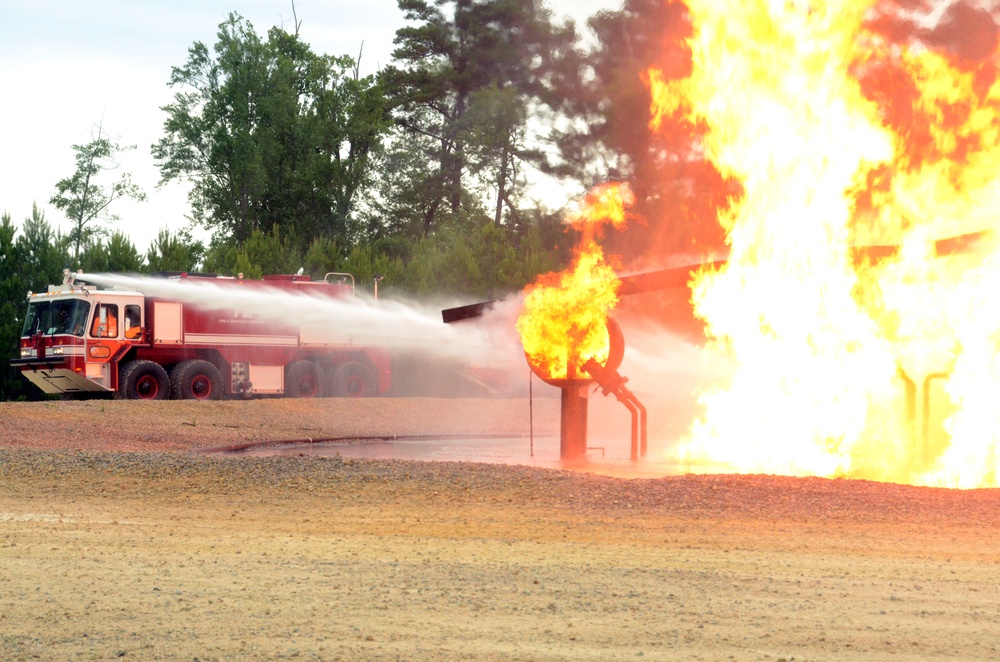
[564,319]
[846,366]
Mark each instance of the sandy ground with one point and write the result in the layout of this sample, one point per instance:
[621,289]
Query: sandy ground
[157,552]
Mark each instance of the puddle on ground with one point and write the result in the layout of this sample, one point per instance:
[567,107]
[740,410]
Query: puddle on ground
[604,458]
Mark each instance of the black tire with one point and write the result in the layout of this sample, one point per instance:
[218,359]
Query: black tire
[195,380]
[142,380]
[304,379]
[354,380]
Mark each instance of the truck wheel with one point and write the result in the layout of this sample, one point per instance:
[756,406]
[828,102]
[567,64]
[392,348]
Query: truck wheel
[354,380]
[195,380]
[304,379]
[142,380]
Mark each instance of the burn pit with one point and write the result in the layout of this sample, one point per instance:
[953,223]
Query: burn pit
[574,395]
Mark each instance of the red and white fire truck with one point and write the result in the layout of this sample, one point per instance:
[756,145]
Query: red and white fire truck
[81,340]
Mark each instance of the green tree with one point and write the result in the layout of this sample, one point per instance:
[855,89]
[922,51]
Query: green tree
[260,254]
[13,288]
[495,135]
[44,252]
[322,257]
[118,255]
[83,199]
[366,263]
[271,134]
[487,264]
[462,85]
[174,252]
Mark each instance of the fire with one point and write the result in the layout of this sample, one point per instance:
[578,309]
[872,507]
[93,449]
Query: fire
[607,203]
[564,319]
[887,369]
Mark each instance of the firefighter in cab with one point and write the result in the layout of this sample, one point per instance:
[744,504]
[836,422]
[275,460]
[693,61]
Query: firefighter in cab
[132,328]
[105,323]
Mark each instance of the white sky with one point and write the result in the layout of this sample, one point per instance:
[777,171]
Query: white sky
[67,65]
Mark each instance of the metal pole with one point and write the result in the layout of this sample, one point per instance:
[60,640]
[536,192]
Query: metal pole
[573,436]
[531,413]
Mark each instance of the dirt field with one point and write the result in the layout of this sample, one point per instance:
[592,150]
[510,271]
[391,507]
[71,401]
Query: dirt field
[156,552]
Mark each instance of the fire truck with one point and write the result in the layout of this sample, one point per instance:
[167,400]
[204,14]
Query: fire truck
[81,341]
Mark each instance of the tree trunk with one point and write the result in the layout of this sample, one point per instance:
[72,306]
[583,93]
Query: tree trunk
[429,217]
[501,187]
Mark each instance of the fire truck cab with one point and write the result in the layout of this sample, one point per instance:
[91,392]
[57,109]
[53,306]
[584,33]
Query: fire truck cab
[80,340]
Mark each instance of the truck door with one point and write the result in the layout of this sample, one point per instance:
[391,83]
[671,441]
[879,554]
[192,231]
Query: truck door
[102,342]
[133,322]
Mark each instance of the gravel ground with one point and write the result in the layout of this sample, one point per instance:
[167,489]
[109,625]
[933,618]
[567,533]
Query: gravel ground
[121,425]
[117,541]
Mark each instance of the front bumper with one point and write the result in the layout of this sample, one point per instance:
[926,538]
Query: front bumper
[49,362]
[52,374]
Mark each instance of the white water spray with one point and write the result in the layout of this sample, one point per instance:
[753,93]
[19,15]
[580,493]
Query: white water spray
[385,323]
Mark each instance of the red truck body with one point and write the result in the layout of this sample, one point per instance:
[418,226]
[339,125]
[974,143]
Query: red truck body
[80,340]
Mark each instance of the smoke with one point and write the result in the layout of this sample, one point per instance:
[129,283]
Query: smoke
[968,30]
[667,369]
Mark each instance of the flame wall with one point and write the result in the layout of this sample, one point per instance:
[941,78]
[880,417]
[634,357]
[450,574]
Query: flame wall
[846,123]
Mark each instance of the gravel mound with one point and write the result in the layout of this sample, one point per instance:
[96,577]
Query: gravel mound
[721,497]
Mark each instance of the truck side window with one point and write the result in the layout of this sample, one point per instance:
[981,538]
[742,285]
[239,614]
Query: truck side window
[133,322]
[105,324]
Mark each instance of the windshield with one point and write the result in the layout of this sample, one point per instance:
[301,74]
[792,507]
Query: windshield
[59,316]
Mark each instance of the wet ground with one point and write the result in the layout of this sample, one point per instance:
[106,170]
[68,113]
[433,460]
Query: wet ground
[605,457]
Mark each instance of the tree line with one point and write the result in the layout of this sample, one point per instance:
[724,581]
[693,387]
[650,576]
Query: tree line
[419,174]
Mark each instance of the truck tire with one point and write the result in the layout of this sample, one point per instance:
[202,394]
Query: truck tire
[304,379]
[195,380]
[142,380]
[354,379]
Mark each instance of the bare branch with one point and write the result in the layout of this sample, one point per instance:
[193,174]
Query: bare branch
[295,20]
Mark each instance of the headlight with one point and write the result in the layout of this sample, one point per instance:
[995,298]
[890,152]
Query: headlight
[58,350]
[26,352]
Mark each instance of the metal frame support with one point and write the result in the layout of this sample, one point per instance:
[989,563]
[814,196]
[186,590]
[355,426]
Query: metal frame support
[610,381]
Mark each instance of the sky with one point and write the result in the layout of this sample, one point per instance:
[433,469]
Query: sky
[67,66]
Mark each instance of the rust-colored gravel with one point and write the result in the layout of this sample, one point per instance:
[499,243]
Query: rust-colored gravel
[170,425]
[116,541]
